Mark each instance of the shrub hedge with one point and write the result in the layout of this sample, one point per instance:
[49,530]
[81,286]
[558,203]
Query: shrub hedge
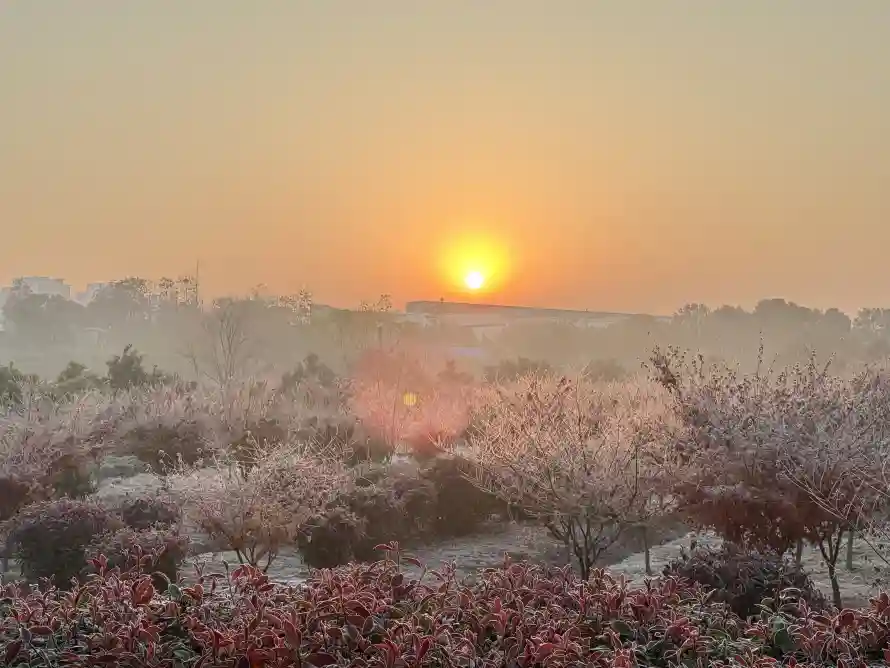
[397,507]
[365,616]
[743,579]
[460,505]
[386,504]
[158,551]
[160,445]
[49,538]
[144,512]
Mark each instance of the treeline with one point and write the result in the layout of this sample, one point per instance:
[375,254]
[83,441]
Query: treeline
[176,331]
[776,331]
[262,334]
[123,372]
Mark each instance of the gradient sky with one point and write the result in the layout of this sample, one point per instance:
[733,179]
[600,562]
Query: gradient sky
[624,155]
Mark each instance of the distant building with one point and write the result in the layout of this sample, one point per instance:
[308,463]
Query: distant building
[37,285]
[44,285]
[487,320]
[4,296]
[89,294]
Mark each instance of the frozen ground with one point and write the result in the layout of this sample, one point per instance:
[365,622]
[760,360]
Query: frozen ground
[486,550]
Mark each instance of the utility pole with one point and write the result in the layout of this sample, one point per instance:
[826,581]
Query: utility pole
[198,283]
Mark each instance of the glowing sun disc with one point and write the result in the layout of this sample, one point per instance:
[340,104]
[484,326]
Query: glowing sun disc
[474,280]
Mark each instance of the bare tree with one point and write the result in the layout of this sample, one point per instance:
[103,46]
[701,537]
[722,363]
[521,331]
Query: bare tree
[771,458]
[847,477]
[224,355]
[584,459]
[258,510]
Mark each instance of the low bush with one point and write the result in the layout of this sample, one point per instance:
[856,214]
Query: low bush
[344,435]
[49,538]
[162,447]
[70,475]
[396,507]
[145,512]
[375,615]
[386,503]
[461,506]
[330,538]
[368,449]
[158,552]
[14,495]
[257,437]
[743,579]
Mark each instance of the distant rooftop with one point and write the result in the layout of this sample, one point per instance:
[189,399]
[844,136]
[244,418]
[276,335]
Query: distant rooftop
[465,308]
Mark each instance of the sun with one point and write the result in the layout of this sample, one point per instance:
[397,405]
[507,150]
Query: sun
[474,280]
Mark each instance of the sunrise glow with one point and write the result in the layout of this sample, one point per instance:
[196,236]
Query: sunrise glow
[474,280]
[474,261]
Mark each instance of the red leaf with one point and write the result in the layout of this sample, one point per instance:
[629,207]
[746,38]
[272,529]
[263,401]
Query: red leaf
[292,634]
[425,645]
[544,650]
[368,626]
[320,659]
[358,608]
[12,651]
[107,658]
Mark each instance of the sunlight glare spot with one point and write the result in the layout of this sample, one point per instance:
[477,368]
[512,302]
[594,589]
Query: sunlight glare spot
[474,280]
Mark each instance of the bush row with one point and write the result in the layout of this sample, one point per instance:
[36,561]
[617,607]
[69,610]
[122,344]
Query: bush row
[54,539]
[743,579]
[161,445]
[374,615]
[383,504]
[433,503]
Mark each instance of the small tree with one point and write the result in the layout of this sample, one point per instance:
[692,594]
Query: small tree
[223,354]
[585,460]
[75,379]
[11,380]
[257,510]
[848,478]
[759,448]
[125,371]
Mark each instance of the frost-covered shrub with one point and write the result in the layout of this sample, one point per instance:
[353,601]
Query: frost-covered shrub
[394,507]
[49,538]
[144,512]
[153,550]
[162,446]
[460,506]
[743,579]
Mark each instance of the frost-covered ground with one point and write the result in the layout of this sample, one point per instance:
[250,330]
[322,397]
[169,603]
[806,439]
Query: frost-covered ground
[522,542]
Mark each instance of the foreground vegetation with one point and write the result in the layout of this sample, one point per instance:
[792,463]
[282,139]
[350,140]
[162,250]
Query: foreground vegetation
[399,454]
[374,615]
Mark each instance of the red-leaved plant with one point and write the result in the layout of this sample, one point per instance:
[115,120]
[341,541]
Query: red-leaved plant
[375,615]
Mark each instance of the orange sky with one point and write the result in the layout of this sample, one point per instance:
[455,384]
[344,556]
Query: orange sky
[623,155]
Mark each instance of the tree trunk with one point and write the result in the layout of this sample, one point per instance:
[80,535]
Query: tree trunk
[798,554]
[850,536]
[646,552]
[835,587]
[584,566]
